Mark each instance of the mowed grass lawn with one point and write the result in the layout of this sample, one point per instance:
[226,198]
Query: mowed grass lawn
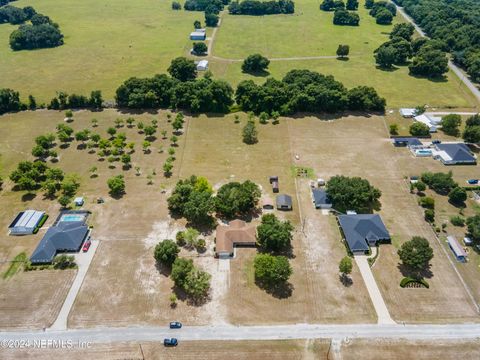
[105,43]
[310,32]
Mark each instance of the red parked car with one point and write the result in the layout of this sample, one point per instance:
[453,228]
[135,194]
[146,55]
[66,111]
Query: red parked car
[86,245]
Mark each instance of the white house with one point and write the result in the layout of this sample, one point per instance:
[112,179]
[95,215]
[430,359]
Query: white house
[407,112]
[432,122]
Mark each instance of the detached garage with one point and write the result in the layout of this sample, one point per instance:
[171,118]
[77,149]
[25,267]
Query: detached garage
[26,222]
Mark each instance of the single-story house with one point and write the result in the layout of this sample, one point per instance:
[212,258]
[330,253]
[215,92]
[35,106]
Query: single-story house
[321,199]
[26,222]
[284,202]
[408,112]
[432,122]
[66,236]
[457,249]
[236,233]
[362,231]
[198,34]
[202,65]
[406,141]
[454,154]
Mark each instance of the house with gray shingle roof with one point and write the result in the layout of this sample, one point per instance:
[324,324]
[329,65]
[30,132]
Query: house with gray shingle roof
[454,154]
[362,231]
[66,236]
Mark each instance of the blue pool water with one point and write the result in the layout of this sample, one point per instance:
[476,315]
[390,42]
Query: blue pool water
[73,217]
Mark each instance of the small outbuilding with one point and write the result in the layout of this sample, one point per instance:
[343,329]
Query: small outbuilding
[26,222]
[79,201]
[408,112]
[275,187]
[267,203]
[321,199]
[198,34]
[406,141]
[284,202]
[202,65]
[457,250]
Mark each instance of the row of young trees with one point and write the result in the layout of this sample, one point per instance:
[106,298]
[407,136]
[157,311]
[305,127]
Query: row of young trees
[455,23]
[40,33]
[256,7]
[427,56]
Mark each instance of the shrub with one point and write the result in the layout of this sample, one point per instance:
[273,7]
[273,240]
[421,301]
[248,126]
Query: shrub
[419,129]
[427,202]
[166,252]
[457,221]
[64,262]
[408,280]
[180,238]
[176,5]
[429,215]
[28,37]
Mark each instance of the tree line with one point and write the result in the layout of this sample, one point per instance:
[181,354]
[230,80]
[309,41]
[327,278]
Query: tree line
[456,24]
[255,7]
[42,32]
[428,57]
[382,11]
[341,14]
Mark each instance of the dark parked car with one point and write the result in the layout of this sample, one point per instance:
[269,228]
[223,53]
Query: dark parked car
[436,142]
[170,342]
[472,181]
[175,325]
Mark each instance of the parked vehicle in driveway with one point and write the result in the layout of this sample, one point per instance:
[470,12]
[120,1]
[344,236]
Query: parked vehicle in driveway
[170,342]
[175,325]
[472,181]
[86,245]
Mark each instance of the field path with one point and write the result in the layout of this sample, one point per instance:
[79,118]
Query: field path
[462,76]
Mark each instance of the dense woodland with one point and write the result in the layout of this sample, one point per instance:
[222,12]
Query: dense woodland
[40,33]
[255,7]
[454,22]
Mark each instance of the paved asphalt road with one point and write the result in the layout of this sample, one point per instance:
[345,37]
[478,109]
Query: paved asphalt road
[274,332]
[451,65]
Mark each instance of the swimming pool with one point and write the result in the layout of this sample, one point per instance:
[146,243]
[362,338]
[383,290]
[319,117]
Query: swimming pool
[72,217]
[423,152]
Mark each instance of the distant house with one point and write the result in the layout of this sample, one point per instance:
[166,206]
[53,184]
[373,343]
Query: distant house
[202,65]
[408,112]
[457,249]
[198,34]
[321,199]
[406,141]
[237,233]
[362,231]
[432,122]
[454,154]
[26,222]
[284,202]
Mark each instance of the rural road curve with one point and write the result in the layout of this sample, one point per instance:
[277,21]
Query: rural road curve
[273,332]
[451,65]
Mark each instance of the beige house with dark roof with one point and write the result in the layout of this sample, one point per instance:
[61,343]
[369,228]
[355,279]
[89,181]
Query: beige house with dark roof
[237,232]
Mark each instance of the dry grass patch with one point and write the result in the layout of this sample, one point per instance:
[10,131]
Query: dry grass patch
[402,349]
[356,146]
[33,299]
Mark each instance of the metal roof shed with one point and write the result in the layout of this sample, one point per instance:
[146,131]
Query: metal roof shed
[26,222]
[457,250]
[284,202]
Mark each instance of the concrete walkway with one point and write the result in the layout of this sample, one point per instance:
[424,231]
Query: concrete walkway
[382,312]
[83,261]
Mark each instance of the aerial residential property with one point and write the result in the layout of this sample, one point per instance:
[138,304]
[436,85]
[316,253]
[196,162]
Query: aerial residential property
[202,179]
